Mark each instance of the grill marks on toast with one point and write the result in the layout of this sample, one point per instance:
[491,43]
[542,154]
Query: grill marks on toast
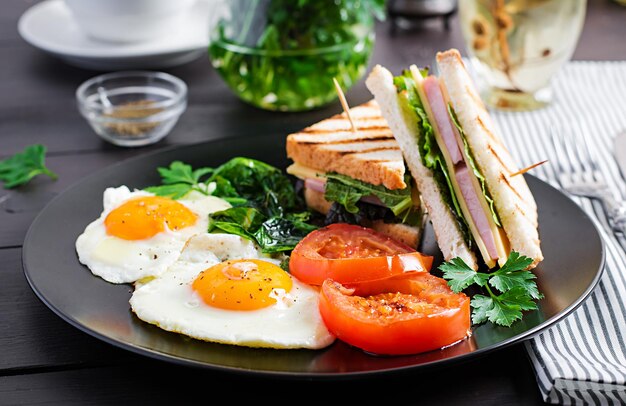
[313,130]
[495,139]
[504,179]
[500,160]
[513,199]
[371,154]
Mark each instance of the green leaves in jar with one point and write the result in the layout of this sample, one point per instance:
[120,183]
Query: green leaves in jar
[283,54]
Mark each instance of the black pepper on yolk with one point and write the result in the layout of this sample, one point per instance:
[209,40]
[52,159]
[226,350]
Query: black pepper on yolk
[144,217]
[244,284]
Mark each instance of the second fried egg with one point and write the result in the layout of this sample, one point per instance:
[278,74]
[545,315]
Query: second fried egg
[139,235]
[222,289]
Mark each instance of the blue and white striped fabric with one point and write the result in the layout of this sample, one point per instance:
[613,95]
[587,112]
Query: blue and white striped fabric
[582,359]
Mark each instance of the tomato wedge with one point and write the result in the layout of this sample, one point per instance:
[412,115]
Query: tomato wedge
[348,253]
[409,314]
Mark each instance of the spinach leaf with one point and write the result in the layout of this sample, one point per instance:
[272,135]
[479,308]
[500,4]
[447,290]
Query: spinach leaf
[348,191]
[242,221]
[262,185]
[343,194]
[266,208]
[225,190]
[274,234]
[279,234]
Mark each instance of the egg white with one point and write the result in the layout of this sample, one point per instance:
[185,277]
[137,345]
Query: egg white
[169,302]
[121,261]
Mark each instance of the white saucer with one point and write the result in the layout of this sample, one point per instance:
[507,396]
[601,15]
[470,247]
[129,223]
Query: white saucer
[50,27]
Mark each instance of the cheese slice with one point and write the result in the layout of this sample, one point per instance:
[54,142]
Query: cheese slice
[500,239]
[305,172]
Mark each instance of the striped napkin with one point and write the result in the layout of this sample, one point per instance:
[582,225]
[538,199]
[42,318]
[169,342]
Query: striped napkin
[582,359]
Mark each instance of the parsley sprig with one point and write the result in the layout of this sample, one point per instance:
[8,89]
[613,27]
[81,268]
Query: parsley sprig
[509,291]
[23,166]
[180,179]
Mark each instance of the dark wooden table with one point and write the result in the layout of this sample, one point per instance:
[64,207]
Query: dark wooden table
[43,360]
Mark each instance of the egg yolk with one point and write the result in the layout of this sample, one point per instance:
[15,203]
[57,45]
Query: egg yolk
[244,284]
[144,217]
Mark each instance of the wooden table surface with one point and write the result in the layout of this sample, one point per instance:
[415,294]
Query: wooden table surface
[44,360]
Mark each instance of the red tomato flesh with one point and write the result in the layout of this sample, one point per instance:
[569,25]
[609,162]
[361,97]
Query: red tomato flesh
[409,314]
[348,253]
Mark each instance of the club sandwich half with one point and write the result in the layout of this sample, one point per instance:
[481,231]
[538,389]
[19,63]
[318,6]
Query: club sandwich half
[480,209]
[359,176]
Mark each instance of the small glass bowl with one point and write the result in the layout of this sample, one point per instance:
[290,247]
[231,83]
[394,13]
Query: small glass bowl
[132,108]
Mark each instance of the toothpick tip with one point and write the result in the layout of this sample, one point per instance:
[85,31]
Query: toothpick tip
[521,171]
[344,104]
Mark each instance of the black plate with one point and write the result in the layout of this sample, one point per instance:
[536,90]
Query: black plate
[573,250]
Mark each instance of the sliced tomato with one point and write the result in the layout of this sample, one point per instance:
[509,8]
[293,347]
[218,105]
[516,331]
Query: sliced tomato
[409,314]
[349,254]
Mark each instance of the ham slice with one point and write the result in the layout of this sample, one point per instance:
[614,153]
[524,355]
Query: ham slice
[319,185]
[440,113]
[449,135]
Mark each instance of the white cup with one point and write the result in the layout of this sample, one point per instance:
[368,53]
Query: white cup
[129,20]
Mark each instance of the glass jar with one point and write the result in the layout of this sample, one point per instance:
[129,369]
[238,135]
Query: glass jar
[517,46]
[283,54]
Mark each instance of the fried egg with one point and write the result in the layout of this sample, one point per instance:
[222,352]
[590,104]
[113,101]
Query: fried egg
[140,235]
[222,289]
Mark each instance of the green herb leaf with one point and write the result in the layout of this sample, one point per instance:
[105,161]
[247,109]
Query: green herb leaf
[514,274]
[481,306]
[503,313]
[518,296]
[23,166]
[495,310]
[179,172]
[515,262]
[175,191]
[460,276]
[516,285]
[179,179]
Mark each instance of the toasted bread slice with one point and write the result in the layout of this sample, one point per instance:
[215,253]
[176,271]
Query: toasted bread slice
[399,232]
[513,199]
[404,127]
[370,155]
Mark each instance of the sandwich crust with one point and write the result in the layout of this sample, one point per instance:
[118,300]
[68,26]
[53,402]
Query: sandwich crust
[370,155]
[513,199]
[404,128]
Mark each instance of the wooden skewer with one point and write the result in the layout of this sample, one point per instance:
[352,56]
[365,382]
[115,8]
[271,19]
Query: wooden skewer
[344,104]
[527,168]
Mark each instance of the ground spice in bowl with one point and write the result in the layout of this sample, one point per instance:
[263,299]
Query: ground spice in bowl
[131,110]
